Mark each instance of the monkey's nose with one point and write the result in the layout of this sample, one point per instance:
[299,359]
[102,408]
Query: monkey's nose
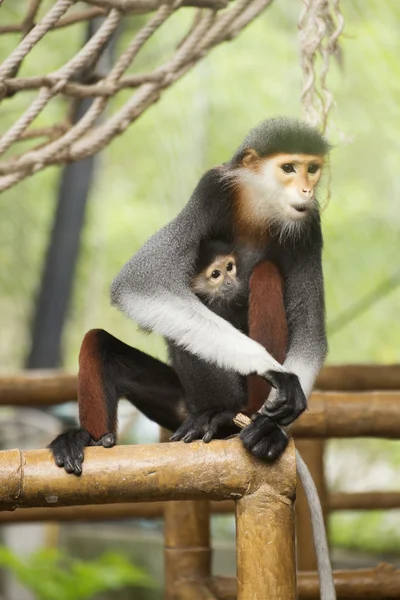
[307,191]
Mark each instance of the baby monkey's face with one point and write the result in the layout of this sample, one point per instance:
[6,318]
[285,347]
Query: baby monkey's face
[218,280]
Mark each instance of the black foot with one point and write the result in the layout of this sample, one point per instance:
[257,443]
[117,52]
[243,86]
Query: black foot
[264,438]
[289,401]
[68,448]
[206,425]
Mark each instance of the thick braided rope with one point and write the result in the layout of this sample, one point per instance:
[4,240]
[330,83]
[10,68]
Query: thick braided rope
[87,137]
[214,22]
[59,78]
[56,148]
[34,36]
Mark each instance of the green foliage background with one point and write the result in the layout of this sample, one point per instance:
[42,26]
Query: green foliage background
[147,175]
[50,574]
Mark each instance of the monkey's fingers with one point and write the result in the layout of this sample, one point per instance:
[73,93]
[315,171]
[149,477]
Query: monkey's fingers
[286,411]
[189,430]
[289,401]
[220,423]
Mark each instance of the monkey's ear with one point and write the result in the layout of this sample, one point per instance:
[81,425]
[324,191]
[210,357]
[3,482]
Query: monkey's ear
[250,157]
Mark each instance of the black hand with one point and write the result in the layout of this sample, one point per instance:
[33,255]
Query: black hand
[68,448]
[264,438]
[206,425]
[289,401]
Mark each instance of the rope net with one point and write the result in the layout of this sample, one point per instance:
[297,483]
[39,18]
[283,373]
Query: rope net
[213,22]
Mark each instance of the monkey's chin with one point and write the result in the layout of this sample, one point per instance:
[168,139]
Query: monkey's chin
[298,213]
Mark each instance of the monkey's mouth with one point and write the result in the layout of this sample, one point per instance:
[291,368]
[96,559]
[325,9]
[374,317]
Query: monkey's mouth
[302,208]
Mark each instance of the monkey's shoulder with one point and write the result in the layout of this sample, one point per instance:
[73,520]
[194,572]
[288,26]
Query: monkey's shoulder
[213,193]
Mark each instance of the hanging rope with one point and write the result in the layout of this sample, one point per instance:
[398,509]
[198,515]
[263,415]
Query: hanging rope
[320,24]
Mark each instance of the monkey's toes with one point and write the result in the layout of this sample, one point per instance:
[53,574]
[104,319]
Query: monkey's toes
[68,450]
[263,438]
[271,447]
[108,440]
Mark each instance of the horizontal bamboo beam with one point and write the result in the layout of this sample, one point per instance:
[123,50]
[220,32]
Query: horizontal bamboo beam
[344,414]
[194,590]
[140,473]
[219,470]
[155,510]
[359,378]
[37,388]
[363,500]
[100,512]
[55,386]
[380,583]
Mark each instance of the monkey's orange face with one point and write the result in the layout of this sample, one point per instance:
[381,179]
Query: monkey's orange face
[288,181]
[298,172]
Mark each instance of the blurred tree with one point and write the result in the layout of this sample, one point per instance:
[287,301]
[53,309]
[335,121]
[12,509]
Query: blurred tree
[62,254]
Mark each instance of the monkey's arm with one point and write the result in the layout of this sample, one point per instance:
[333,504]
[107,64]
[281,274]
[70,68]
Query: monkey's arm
[153,289]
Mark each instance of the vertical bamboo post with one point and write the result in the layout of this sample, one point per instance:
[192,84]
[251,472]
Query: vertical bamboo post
[187,544]
[265,546]
[187,552]
[312,452]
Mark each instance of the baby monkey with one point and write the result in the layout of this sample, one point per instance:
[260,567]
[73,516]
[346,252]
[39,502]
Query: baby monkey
[220,282]
[217,279]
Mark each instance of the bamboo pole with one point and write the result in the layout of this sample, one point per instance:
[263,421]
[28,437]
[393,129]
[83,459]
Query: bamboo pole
[357,378]
[155,510]
[364,500]
[219,470]
[100,512]
[330,414]
[194,591]
[187,550]
[380,583]
[38,388]
[49,387]
[337,414]
[130,473]
[187,546]
[265,548]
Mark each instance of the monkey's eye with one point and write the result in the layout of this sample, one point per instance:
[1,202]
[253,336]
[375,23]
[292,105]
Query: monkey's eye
[215,274]
[312,169]
[288,168]
[229,267]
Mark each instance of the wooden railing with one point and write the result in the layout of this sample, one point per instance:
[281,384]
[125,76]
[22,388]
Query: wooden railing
[367,404]
[175,472]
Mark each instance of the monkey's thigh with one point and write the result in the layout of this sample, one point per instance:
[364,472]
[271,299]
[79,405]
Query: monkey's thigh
[148,383]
